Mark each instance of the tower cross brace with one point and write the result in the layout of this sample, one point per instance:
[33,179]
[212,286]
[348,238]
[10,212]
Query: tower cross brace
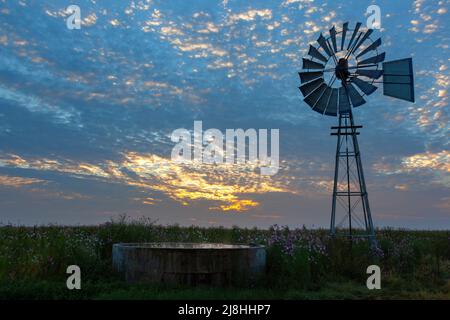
[350,213]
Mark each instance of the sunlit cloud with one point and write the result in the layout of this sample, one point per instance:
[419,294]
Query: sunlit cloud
[401,187]
[251,15]
[195,181]
[436,164]
[224,184]
[39,187]
[169,31]
[115,22]
[209,28]
[434,161]
[89,20]
[17,182]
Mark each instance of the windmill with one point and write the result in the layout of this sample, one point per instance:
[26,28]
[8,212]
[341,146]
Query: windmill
[341,70]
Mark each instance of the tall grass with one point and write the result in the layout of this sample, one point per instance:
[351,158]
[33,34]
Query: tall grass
[298,259]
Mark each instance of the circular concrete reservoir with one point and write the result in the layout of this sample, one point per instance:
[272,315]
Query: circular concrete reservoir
[189,263]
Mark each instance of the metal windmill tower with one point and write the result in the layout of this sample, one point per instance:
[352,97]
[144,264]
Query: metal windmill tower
[340,71]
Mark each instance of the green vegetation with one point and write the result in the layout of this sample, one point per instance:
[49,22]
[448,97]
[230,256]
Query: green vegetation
[302,264]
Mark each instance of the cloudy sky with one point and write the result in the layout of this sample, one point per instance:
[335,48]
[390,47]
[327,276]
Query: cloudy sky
[86,115]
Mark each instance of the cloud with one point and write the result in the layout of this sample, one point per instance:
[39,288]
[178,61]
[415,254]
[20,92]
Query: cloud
[115,22]
[30,183]
[439,161]
[170,31]
[225,185]
[35,104]
[190,181]
[433,167]
[250,15]
[17,182]
[89,20]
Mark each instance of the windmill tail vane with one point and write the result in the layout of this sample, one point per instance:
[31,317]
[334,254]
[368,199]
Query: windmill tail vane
[340,71]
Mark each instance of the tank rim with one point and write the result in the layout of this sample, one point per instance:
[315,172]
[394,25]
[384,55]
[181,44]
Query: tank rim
[187,246]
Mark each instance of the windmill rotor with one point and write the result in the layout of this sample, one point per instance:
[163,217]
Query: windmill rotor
[355,63]
[341,69]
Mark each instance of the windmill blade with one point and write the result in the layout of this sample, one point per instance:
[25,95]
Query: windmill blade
[354,95]
[373,46]
[398,80]
[375,59]
[344,32]
[364,86]
[309,76]
[364,38]
[321,104]
[344,102]
[354,43]
[315,95]
[309,87]
[333,38]
[358,25]
[309,64]
[313,52]
[331,109]
[373,74]
[324,45]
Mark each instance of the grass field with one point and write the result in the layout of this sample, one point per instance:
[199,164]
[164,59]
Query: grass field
[302,264]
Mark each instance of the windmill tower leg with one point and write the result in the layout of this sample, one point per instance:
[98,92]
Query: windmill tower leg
[350,213]
[336,177]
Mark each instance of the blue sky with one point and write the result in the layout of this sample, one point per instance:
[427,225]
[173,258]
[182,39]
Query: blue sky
[86,115]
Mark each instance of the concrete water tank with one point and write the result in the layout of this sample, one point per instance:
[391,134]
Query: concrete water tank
[189,263]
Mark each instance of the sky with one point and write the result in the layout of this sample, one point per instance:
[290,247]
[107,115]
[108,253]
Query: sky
[86,115]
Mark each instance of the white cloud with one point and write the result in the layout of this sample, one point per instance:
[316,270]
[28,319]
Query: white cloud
[36,105]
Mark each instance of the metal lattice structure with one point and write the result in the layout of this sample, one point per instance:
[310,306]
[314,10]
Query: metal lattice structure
[341,70]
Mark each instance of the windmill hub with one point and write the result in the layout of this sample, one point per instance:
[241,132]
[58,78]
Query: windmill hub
[342,72]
